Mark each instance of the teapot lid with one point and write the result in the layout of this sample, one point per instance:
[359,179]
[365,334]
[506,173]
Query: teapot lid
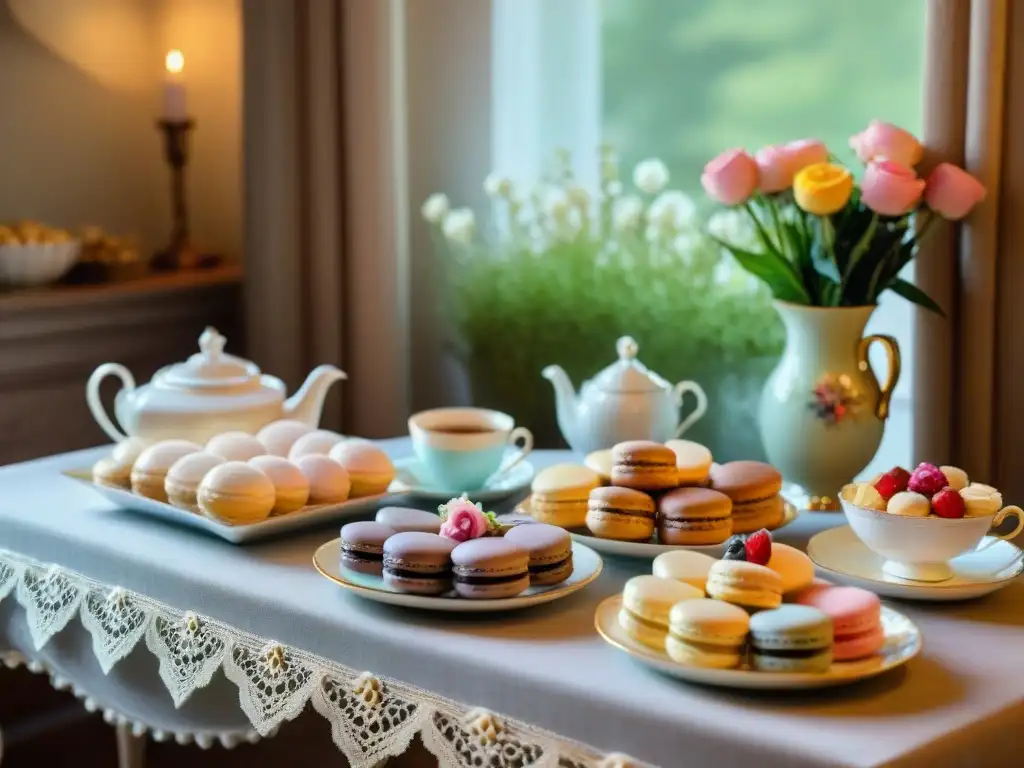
[628,374]
[211,367]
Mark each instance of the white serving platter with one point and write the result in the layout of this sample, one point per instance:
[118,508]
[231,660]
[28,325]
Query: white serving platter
[902,643]
[307,517]
[652,548]
[587,566]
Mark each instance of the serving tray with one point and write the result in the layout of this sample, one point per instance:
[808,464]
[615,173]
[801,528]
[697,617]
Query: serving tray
[308,517]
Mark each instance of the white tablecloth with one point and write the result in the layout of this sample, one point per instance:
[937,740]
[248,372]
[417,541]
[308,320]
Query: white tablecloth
[961,703]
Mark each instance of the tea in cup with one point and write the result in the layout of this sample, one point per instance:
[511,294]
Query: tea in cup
[462,448]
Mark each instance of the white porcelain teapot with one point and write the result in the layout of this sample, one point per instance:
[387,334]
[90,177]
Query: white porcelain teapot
[210,393]
[625,401]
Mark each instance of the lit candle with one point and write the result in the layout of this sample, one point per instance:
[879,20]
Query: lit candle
[175,107]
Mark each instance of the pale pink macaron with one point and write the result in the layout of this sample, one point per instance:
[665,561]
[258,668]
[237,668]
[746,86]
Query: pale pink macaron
[856,619]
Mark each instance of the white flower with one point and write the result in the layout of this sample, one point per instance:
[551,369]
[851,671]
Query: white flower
[686,242]
[555,203]
[578,195]
[498,186]
[459,226]
[626,213]
[435,207]
[734,228]
[672,211]
[613,189]
[650,176]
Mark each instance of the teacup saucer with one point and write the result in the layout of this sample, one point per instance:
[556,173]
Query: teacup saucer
[409,479]
[844,558]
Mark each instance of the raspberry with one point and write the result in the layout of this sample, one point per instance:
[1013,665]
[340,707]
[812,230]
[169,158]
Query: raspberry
[927,480]
[759,547]
[948,503]
[735,549]
[892,482]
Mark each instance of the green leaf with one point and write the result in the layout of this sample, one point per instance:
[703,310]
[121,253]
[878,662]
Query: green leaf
[771,268]
[861,247]
[912,293]
[824,264]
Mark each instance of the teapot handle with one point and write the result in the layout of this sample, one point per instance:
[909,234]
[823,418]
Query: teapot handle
[92,396]
[702,404]
[892,353]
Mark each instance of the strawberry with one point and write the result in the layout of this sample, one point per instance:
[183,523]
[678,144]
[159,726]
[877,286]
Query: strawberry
[759,547]
[927,480]
[892,482]
[948,503]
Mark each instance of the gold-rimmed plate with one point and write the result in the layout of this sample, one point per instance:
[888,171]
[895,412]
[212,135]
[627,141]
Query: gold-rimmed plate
[652,548]
[842,557]
[586,562]
[902,643]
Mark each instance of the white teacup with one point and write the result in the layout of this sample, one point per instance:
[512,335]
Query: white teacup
[462,448]
[920,548]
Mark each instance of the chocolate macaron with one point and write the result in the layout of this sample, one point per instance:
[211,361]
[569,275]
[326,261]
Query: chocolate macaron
[754,489]
[694,516]
[418,563]
[644,465]
[490,568]
[620,513]
[404,519]
[362,546]
[549,548]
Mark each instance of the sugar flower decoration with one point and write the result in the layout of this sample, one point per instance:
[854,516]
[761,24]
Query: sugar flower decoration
[463,520]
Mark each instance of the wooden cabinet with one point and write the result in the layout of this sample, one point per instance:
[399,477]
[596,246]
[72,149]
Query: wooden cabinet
[52,339]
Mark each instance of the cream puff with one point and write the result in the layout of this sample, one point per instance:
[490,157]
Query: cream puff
[316,443]
[278,437]
[150,469]
[369,468]
[235,446]
[291,488]
[236,493]
[329,482]
[185,475]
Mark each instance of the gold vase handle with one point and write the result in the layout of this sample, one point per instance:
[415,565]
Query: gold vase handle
[892,353]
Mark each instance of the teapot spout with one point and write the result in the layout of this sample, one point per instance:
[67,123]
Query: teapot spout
[565,401]
[306,404]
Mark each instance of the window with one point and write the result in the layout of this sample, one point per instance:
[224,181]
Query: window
[684,80]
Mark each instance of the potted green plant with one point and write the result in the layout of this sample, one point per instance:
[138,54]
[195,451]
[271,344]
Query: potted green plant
[559,272]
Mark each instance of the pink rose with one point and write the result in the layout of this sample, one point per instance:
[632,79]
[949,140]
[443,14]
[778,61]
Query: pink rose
[730,178]
[890,189]
[465,521]
[952,192]
[775,168]
[804,152]
[886,141]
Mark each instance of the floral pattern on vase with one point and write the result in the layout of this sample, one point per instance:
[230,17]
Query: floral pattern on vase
[822,410]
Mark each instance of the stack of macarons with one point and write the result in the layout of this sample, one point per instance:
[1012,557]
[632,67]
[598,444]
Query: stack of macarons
[724,614]
[462,551]
[238,479]
[639,488]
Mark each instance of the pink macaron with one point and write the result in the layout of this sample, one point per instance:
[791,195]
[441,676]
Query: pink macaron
[856,619]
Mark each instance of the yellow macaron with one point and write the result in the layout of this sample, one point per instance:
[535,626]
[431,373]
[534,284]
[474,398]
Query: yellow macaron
[560,494]
[748,585]
[693,461]
[646,603]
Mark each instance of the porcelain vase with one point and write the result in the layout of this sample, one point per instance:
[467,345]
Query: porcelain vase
[823,410]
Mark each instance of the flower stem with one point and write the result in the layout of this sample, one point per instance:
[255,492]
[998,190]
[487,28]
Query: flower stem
[762,233]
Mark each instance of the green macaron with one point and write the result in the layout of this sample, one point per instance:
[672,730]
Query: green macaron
[791,638]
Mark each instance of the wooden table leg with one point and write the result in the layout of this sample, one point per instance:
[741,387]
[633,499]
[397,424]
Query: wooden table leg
[131,749]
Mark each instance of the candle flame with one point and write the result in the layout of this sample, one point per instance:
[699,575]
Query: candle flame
[174,62]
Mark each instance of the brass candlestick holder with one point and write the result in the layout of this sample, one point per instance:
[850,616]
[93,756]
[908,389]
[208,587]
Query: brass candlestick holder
[179,253]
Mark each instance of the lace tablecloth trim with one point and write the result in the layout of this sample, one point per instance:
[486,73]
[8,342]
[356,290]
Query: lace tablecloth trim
[372,718]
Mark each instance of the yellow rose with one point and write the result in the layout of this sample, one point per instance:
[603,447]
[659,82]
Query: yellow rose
[822,188]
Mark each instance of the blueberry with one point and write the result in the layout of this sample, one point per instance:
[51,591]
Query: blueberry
[735,549]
